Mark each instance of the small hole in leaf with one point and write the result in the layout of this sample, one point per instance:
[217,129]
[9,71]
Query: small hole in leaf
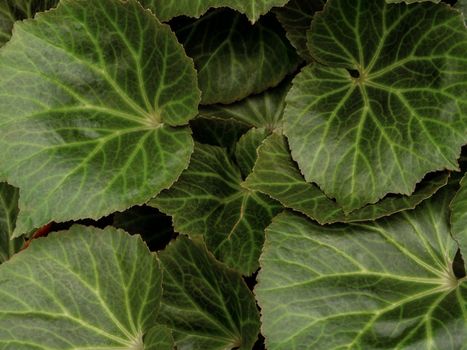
[354,73]
[458,265]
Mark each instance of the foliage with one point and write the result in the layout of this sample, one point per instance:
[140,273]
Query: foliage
[183,174]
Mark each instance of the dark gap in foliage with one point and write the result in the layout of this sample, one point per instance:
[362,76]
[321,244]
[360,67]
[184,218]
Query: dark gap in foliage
[449,2]
[259,345]
[354,73]
[251,280]
[154,227]
[458,266]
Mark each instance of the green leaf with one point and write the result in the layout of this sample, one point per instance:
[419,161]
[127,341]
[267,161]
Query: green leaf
[360,138]
[12,10]
[265,110]
[89,98]
[8,212]
[218,131]
[168,9]
[159,338]
[296,17]
[410,1]
[387,284]
[80,289]
[208,200]
[245,151]
[240,59]
[207,305]
[461,5]
[277,175]
[459,218]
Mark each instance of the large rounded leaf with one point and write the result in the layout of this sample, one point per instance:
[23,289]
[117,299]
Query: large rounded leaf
[167,9]
[387,284]
[89,97]
[207,305]
[81,289]
[386,105]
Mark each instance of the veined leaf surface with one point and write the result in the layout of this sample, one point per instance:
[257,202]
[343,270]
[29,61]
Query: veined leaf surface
[159,338]
[80,289]
[234,58]
[381,109]
[168,9]
[277,175]
[207,305]
[265,110]
[13,10]
[90,97]
[459,218]
[296,17]
[208,200]
[387,284]
[245,150]
[8,212]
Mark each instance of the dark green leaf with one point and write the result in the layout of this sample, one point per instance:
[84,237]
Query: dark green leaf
[296,19]
[245,151]
[262,111]
[234,58]
[159,338]
[387,284]
[277,175]
[8,213]
[208,200]
[89,97]
[218,132]
[167,9]
[459,218]
[384,108]
[79,289]
[13,10]
[207,305]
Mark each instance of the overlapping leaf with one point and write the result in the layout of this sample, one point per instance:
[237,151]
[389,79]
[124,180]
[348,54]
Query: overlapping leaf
[89,97]
[8,213]
[245,151]
[208,200]
[81,289]
[277,175]
[296,18]
[264,110]
[459,218]
[207,305]
[382,109]
[387,284]
[159,338]
[168,9]
[13,10]
[235,59]
[218,131]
